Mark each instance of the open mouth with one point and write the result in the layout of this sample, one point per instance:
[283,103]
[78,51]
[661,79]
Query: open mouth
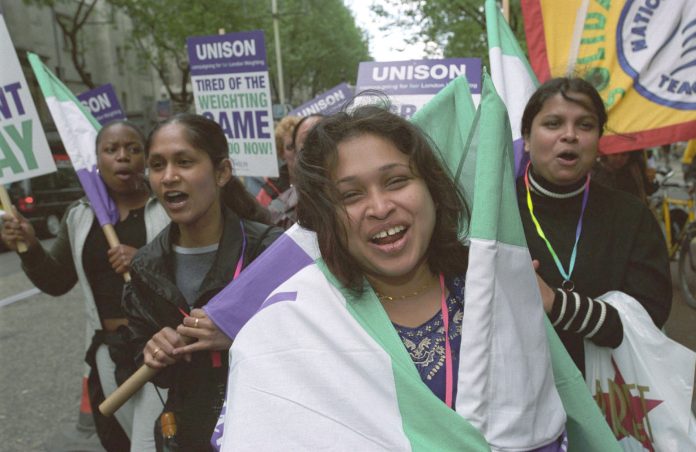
[568,156]
[175,197]
[388,236]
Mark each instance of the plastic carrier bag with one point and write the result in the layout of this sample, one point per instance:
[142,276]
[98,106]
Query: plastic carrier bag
[643,387]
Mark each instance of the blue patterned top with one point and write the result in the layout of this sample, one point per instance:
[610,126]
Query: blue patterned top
[426,343]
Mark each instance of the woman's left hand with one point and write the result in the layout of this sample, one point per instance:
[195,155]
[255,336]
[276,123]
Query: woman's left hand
[120,257]
[208,337]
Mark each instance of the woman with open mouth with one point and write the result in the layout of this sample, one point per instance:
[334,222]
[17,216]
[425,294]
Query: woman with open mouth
[81,255]
[217,229]
[587,239]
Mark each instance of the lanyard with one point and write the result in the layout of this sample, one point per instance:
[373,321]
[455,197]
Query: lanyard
[448,348]
[214,354]
[567,282]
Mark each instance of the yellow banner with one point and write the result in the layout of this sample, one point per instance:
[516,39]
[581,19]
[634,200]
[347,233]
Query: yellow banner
[639,54]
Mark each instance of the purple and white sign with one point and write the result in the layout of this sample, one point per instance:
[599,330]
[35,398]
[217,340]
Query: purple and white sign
[103,104]
[231,86]
[411,84]
[326,103]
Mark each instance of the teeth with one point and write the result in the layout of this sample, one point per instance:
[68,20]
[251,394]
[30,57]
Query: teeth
[173,194]
[388,232]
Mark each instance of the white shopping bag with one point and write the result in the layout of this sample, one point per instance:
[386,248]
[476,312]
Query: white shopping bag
[644,386]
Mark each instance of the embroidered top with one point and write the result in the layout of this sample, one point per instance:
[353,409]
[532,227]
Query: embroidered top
[426,343]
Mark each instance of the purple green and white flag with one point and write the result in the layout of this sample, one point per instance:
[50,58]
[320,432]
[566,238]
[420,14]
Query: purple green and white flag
[312,365]
[512,76]
[78,130]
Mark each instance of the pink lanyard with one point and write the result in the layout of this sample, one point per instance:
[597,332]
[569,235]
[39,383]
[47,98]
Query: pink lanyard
[214,354]
[449,379]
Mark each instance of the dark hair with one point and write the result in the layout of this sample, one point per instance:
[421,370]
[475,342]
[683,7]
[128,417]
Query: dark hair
[121,122]
[206,135]
[319,201]
[566,86]
[295,131]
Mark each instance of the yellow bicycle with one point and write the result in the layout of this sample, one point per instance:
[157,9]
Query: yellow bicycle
[678,214]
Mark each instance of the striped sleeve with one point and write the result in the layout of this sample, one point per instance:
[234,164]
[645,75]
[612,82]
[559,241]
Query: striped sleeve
[592,319]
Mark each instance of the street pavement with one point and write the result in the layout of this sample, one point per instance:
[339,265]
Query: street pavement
[41,353]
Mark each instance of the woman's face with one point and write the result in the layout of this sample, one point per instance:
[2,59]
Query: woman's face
[183,178]
[121,160]
[389,212]
[563,141]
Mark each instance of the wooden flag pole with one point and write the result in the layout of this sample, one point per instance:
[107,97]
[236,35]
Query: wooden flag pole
[124,392]
[132,385]
[7,207]
[506,10]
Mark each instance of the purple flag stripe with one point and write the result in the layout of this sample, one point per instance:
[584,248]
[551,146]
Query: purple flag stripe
[240,300]
[280,296]
[102,204]
[521,157]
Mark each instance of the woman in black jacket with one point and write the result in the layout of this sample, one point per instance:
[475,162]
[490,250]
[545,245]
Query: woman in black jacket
[588,239]
[217,229]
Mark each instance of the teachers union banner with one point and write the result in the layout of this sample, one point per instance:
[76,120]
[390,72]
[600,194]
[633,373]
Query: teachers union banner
[639,54]
[231,86]
[24,152]
[411,84]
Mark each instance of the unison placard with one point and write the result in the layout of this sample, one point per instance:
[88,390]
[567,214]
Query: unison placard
[411,84]
[231,86]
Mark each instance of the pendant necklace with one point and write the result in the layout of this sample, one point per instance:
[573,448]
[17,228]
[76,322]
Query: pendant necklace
[567,283]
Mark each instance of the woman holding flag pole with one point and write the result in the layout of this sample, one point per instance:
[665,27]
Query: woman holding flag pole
[217,229]
[587,239]
[81,255]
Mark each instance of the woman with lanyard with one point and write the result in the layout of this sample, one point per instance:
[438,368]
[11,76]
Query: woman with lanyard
[81,255]
[214,234]
[586,239]
[373,177]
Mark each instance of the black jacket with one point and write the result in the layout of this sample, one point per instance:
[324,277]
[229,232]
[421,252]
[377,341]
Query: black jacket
[621,248]
[152,301]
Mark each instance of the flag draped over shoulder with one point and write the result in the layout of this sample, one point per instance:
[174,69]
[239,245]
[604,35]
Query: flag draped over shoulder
[78,131]
[315,367]
[512,76]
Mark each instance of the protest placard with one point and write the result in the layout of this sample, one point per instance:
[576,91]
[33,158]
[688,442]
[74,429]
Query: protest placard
[411,84]
[103,104]
[231,86]
[24,151]
[325,103]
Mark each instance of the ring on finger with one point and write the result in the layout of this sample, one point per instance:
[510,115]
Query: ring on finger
[195,323]
[154,354]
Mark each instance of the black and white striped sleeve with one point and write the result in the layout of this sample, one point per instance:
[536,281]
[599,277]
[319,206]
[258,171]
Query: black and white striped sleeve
[592,319]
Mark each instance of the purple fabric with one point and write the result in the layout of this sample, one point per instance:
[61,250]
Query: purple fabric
[521,157]
[103,206]
[560,445]
[281,296]
[242,298]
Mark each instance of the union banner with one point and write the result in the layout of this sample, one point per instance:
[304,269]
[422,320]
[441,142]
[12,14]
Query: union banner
[639,54]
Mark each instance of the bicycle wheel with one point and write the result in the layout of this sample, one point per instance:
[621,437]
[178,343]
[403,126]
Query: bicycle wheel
[687,267]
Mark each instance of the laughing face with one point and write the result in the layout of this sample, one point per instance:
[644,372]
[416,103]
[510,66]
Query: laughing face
[121,159]
[389,212]
[184,180]
[563,140]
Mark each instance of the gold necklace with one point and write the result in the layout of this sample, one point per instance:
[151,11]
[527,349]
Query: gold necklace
[383,297]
